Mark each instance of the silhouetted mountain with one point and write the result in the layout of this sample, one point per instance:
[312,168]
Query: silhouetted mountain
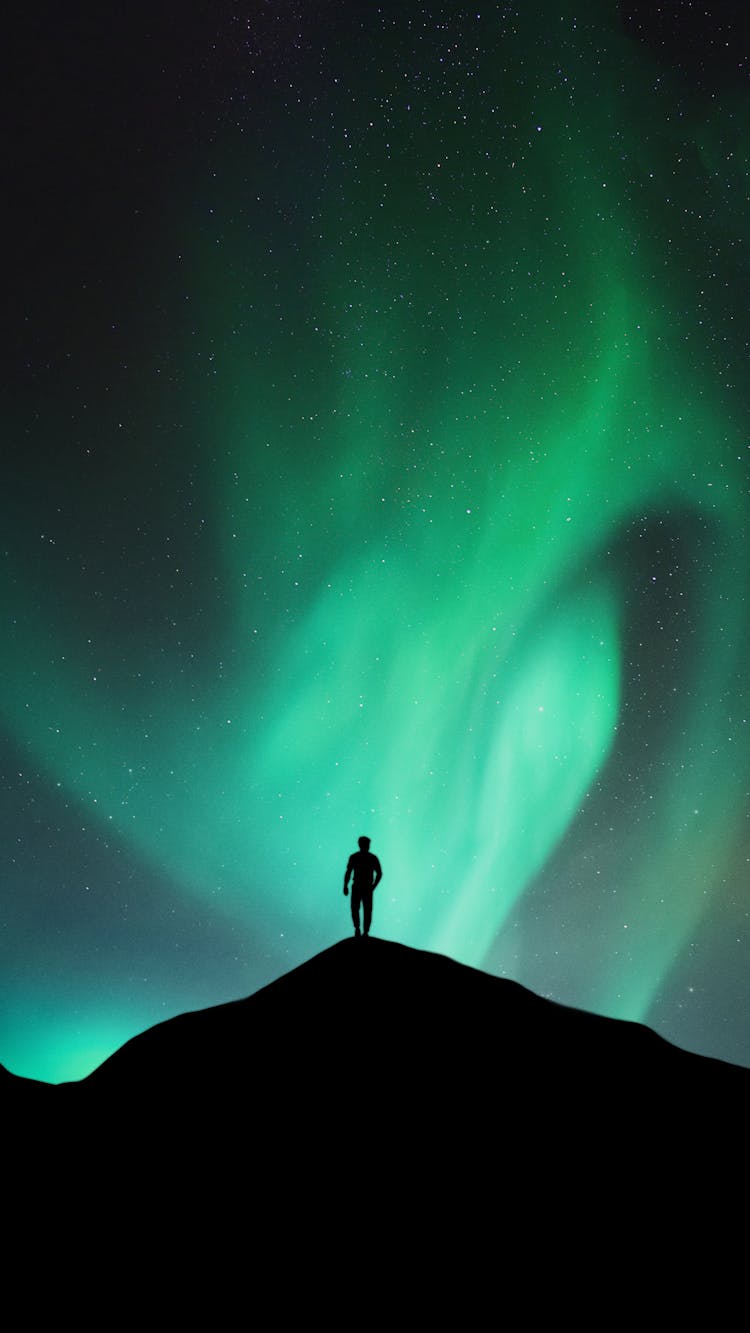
[366,1007]
[405,1037]
[381,1106]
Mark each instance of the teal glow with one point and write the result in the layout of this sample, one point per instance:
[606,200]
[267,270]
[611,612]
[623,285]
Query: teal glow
[425,472]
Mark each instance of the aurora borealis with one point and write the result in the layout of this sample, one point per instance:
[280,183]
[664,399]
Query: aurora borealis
[375,461]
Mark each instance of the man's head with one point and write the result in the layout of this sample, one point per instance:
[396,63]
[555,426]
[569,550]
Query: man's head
[364,844]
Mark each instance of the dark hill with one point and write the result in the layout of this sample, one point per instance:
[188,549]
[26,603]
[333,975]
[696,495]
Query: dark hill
[416,1043]
[387,1021]
[378,1012]
[392,1096]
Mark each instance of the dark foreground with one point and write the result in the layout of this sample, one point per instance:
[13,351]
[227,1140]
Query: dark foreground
[410,1047]
[384,1105]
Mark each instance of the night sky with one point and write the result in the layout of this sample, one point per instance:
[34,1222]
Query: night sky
[375,461]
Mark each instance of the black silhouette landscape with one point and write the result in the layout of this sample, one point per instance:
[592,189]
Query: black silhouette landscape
[422,1050]
[382,1120]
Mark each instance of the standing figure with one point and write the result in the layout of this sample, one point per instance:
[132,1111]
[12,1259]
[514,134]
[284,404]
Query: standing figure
[365,867]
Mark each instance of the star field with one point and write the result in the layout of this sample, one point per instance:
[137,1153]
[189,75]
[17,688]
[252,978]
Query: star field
[375,461]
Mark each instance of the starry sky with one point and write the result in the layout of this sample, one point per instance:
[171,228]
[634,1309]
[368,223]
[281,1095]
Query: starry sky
[375,461]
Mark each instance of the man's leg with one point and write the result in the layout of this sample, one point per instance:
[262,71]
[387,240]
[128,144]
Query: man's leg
[367,909]
[355,909]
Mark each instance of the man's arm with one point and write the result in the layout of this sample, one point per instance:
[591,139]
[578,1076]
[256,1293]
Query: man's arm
[347,876]
[378,873]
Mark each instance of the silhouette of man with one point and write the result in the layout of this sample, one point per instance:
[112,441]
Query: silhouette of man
[365,867]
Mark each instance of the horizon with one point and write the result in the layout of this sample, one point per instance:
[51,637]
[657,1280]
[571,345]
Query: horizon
[371,948]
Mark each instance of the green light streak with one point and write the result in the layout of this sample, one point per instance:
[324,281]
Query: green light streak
[553,732]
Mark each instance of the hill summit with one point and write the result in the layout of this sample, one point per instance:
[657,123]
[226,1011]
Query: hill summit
[439,1082]
[373,1024]
[375,1011]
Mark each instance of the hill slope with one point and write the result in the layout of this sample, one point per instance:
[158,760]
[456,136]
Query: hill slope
[382,1089]
[374,1027]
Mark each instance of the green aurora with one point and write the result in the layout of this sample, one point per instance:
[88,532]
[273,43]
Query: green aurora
[458,556]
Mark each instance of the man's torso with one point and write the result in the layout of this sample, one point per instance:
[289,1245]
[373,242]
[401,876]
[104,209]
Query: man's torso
[364,867]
